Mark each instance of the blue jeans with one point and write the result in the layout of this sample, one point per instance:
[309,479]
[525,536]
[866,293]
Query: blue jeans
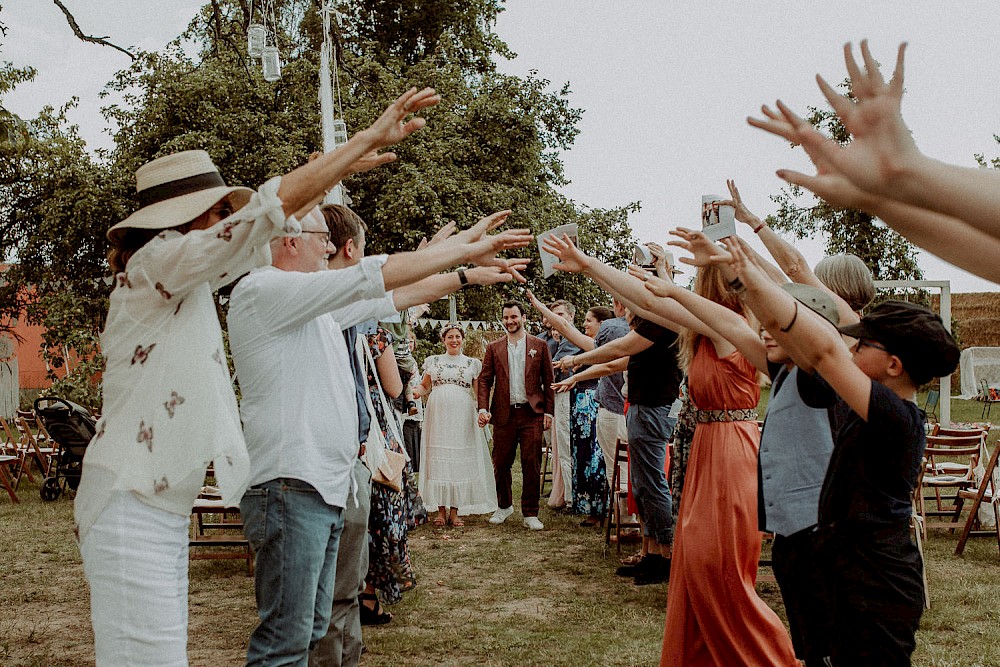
[295,536]
[649,430]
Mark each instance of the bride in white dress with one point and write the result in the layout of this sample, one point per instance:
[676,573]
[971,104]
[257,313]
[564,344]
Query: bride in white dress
[456,472]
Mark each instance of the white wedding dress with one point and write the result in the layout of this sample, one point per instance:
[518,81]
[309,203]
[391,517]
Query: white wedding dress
[455,465]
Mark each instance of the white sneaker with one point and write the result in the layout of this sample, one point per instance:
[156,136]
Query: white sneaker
[501,515]
[532,523]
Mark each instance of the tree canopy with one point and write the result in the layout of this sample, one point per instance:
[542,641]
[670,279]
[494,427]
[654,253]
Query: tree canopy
[493,143]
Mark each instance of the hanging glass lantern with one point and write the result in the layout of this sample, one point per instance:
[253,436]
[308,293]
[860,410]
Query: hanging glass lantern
[256,35]
[339,132]
[272,63]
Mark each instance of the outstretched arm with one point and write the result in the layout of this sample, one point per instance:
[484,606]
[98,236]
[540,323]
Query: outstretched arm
[313,180]
[947,237]
[810,340]
[629,290]
[591,373]
[433,288]
[883,158]
[561,324]
[791,262]
[473,245]
[730,331]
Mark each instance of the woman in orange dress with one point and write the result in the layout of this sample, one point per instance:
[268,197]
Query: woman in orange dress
[714,615]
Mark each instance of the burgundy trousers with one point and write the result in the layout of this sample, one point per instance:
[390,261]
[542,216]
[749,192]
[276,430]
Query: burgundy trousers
[523,428]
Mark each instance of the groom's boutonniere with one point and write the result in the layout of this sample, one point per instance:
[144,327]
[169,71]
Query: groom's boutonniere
[532,353]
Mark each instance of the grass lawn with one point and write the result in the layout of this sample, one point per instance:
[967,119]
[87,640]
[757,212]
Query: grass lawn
[486,596]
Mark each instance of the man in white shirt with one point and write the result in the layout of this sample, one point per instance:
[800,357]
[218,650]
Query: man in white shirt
[300,413]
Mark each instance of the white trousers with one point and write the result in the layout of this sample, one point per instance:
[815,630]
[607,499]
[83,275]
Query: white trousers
[610,429]
[563,447]
[135,558]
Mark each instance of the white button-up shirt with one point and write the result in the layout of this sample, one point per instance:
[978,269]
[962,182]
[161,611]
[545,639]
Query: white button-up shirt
[516,354]
[169,408]
[298,404]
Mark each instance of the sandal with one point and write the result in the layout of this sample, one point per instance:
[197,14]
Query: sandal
[632,560]
[373,615]
[458,523]
[439,521]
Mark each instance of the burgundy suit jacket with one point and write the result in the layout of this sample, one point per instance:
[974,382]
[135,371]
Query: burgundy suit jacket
[538,379]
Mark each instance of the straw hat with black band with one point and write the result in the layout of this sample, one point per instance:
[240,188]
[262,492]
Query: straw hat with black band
[175,189]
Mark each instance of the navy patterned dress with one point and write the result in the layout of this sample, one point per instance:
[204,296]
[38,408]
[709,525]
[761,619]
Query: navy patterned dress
[590,482]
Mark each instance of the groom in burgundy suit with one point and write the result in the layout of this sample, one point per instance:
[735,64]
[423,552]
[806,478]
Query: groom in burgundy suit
[521,368]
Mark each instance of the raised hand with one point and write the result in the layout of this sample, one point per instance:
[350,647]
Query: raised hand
[390,127]
[533,300]
[564,386]
[655,284]
[484,247]
[741,264]
[705,251]
[571,258]
[440,235]
[743,214]
[882,149]
[491,275]
[829,184]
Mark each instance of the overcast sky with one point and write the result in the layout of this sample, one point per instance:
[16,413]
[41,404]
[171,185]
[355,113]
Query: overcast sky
[665,86]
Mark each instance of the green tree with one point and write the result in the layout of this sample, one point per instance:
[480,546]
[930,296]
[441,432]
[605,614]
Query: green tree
[887,254]
[494,143]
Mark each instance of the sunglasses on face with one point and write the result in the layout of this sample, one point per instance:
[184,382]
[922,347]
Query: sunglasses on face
[864,342]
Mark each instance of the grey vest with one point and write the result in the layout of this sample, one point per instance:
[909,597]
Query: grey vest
[795,450]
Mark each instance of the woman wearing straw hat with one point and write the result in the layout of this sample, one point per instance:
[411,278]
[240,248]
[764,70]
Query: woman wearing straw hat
[169,409]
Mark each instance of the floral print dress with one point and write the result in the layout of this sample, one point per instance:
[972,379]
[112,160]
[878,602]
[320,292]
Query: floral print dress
[590,481]
[393,513]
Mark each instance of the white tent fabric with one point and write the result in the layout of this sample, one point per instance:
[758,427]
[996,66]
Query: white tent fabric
[977,364]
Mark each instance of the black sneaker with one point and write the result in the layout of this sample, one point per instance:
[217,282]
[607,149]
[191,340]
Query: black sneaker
[656,574]
[649,562]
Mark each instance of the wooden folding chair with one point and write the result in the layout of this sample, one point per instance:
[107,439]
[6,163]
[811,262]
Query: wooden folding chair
[15,446]
[961,432]
[616,499]
[989,493]
[226,530]
[544,472]
[951,462]
[44,455]
[9,472]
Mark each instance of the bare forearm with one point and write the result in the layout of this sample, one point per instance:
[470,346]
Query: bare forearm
[406,268]
[312,180]
[633,293]
[791,262]
[968,194]
[571,333]
[426,290]
[602,370]
[949,238]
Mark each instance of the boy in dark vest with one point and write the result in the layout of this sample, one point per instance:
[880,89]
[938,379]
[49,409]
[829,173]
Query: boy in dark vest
[874,568]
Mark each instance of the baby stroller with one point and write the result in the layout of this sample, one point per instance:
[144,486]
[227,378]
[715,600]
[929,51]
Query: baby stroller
[71,428]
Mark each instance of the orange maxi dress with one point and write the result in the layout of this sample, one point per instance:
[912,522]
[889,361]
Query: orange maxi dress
[714,615]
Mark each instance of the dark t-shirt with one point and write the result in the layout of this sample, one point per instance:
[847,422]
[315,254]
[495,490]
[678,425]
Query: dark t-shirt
[875,464]
[654,378]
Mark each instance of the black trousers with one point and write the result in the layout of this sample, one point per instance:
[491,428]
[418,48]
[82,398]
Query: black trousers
[877,590]
[803,579]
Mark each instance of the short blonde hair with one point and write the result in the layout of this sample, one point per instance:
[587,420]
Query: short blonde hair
[848,277]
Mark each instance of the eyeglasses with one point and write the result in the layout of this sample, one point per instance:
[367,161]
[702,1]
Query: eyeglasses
[864,342]
[325,234]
